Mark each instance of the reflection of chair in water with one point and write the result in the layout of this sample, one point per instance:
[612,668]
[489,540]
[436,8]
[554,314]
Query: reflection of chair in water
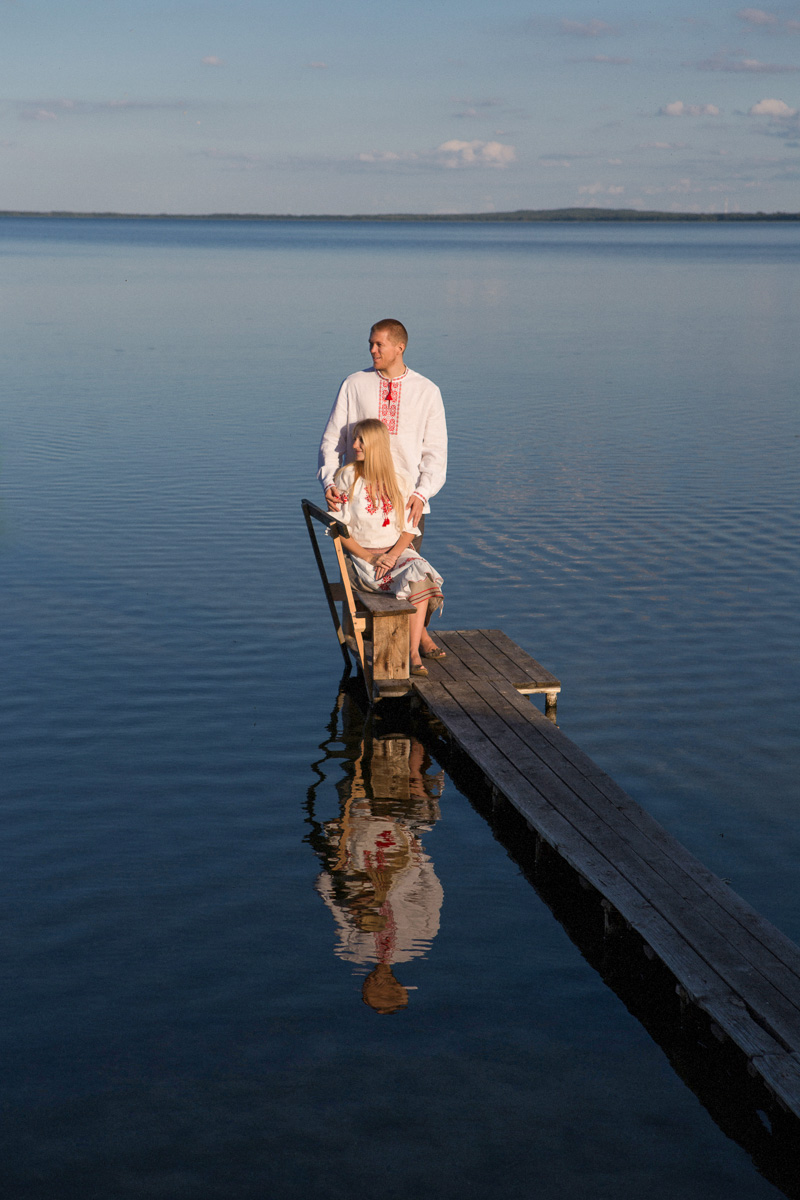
[377,880]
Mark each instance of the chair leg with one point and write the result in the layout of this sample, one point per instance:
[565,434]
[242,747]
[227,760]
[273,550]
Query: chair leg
[349,601]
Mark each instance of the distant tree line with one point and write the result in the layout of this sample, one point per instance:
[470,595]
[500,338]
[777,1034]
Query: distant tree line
[520,215]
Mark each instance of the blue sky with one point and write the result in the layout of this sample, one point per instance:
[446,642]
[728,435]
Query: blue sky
[443,106]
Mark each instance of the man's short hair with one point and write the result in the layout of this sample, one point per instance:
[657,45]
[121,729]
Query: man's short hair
[395,329]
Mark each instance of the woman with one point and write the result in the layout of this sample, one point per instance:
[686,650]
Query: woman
[375,499]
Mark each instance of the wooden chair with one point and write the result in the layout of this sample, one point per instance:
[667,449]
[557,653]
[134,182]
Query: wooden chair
[373,627]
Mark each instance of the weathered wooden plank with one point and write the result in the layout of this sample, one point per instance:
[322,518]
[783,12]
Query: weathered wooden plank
[781,1074]
[391,689]
[451,667]
[767,944]
[521,671]
[473,655]
[477,666]
[352,626]
[646,867]
[381,603]
[518,658]
[702,983]
[390,646]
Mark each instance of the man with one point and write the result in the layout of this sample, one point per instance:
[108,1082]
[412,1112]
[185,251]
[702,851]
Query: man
[409,405]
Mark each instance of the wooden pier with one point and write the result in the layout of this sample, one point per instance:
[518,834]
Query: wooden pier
[726,959]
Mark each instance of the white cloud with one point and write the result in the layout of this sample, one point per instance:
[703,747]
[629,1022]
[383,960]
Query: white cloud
[51,110]
[47,110]
[211,60]
[38,114]
[662,145]
[734,60]
[760,19]
[451,155]
[318,66]
[385,156]
[678,109]
[772,108]
[456,153]
[782,121]
[593,28]
[757,16]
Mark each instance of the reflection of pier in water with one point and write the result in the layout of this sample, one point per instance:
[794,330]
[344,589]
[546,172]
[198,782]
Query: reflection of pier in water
[377,880]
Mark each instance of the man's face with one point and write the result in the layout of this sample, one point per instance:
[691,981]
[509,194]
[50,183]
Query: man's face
[386,354]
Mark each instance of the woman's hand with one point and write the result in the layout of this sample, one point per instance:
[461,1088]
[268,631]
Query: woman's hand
[384,563]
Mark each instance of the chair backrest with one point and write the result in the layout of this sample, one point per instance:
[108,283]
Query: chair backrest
[342,590]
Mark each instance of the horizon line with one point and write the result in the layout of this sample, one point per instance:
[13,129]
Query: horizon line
[520,215]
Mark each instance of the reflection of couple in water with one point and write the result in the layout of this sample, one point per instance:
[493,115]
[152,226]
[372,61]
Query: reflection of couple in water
[377,880]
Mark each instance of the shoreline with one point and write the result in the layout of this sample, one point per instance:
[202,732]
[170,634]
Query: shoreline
[570,215]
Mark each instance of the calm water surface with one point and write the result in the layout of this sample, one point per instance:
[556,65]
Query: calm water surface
[191,927]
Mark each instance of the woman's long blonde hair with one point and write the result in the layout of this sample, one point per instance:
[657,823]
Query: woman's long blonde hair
[377,469]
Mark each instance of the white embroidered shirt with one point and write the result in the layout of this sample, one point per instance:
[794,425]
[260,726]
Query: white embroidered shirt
[412,411]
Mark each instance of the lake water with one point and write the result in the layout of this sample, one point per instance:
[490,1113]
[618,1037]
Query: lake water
[187,950]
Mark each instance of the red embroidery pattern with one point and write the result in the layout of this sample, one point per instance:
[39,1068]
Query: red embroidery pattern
[389,403]
[386,940]
[385,505]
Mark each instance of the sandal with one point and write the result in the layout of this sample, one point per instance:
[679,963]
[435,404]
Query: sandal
[420,670]
[436,652]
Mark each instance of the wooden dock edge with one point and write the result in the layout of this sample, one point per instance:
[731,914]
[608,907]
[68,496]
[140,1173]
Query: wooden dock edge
[482,719]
